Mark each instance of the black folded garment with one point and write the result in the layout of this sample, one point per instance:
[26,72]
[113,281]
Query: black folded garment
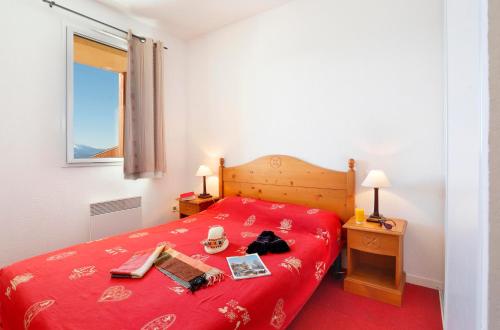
[268,242]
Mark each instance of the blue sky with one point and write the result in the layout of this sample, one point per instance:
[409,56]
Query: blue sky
[95,107]
[248,258]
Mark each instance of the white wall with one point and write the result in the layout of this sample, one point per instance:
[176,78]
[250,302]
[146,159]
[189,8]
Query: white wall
[44,205]
[466,225]
[494,162]
[326,80]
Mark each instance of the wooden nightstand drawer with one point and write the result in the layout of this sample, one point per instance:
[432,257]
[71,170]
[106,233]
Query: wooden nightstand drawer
[188,209]
[373,242]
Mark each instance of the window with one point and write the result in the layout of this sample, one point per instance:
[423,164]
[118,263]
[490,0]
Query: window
[96,75]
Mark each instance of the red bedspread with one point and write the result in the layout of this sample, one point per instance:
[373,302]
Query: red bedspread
[72,288]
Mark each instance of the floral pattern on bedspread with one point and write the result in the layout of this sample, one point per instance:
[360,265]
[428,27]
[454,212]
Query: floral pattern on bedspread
[72,288]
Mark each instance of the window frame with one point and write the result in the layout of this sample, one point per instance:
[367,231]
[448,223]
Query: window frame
[100,37]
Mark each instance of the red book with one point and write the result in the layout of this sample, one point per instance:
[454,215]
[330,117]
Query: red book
[187,196]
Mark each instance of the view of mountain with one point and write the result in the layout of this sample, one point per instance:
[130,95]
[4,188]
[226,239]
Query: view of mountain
[83,151]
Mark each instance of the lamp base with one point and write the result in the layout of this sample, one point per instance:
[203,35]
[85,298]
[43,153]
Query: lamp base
[374,218]
[204,196]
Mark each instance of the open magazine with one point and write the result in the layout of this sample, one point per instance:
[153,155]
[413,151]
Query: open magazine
[248,266]
[138,264]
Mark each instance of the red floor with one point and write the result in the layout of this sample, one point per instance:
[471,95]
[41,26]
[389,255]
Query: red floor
[332,308]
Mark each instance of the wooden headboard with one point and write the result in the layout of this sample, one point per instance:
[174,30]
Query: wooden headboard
[289,179]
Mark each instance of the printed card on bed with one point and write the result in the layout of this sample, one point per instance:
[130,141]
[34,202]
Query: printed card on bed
[248,266]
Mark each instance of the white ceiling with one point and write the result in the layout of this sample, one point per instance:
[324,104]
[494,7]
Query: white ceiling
[190,18]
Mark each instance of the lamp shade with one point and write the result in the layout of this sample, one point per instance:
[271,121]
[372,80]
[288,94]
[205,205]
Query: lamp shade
[376,179]
[204,170]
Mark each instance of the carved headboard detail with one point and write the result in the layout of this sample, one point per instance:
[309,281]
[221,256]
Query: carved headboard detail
[288,179]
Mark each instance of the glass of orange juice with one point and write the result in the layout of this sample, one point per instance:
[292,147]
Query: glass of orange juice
[359,215]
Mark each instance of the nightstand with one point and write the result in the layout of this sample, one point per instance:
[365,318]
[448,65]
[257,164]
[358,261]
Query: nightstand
[375,261]
[187,208]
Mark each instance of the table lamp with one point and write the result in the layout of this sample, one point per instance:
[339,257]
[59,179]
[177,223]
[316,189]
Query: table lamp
[376,179]
[204,171]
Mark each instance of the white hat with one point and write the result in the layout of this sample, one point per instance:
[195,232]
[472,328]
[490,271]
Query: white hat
[216,241]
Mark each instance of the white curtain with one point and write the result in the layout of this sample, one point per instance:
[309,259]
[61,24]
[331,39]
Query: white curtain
[144,145]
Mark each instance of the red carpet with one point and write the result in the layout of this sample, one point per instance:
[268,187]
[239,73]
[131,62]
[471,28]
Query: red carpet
[332,308]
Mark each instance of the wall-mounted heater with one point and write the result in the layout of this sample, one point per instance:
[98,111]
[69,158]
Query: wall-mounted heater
[115,217]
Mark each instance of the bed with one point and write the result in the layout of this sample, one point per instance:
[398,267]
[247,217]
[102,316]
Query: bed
[302,203]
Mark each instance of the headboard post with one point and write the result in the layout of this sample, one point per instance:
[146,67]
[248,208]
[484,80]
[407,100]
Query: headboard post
[221,177]
[351,181]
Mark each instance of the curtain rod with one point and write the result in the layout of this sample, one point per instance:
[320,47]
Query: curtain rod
[54,4]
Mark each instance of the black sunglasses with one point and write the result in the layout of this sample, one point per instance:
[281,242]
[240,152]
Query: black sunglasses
[388,224]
